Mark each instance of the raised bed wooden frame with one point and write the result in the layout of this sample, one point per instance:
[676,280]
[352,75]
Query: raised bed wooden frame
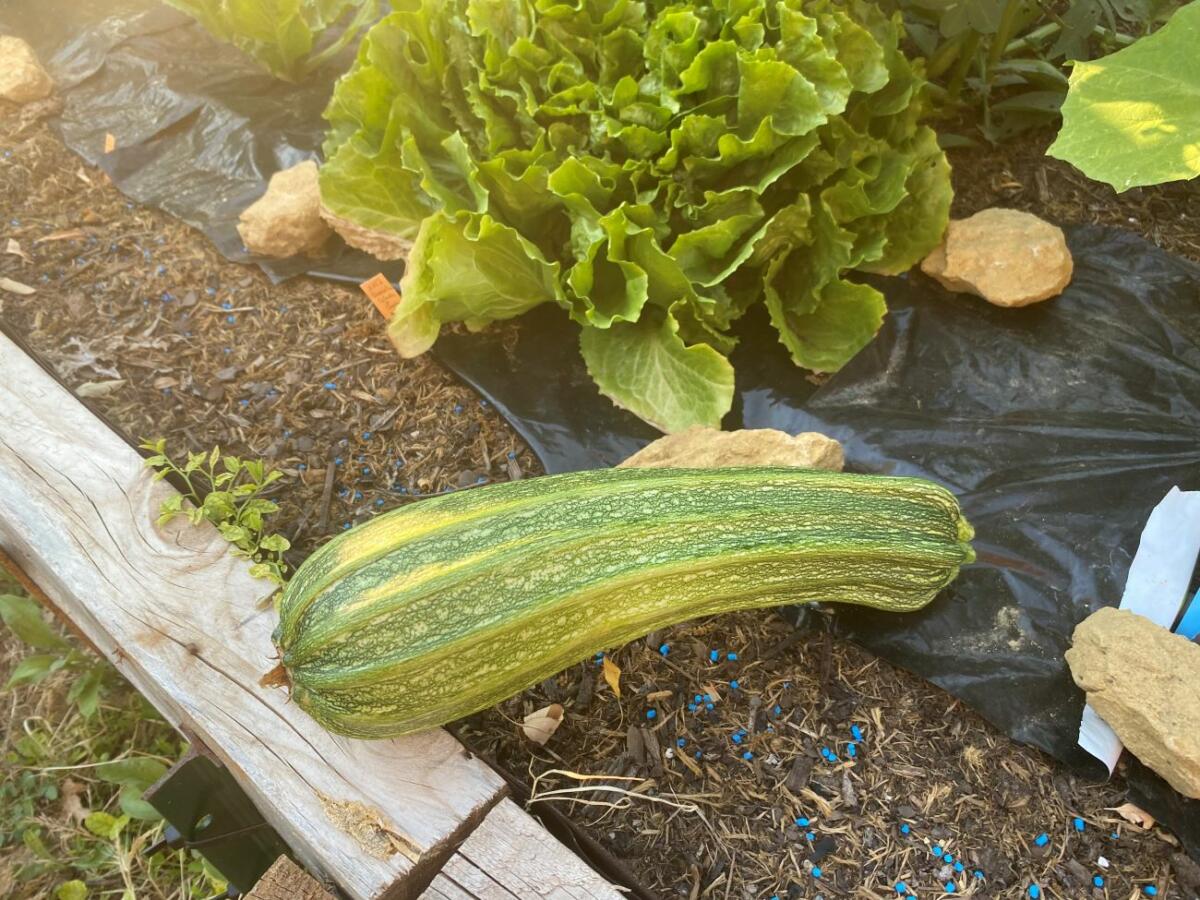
[180,617]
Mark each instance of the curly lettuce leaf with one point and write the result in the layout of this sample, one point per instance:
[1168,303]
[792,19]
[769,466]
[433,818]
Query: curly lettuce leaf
[918,221]
[822,319]
[646,368]
[824,331]
[724,238]
[467,268]
[283,36]
[623,270]
[655,169]
[368,183]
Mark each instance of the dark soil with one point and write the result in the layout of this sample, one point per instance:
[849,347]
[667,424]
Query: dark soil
[168,339]
[700,818]
[1019,175]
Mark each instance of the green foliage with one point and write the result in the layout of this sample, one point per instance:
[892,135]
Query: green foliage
[1003,58]
[71,890]
[232,500]
[103,825]
[72,821]
[283,36]
[654,169]
[133,776]
[24,618]
[1133,118]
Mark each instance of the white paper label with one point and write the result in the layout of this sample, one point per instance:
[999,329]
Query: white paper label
[1157,586]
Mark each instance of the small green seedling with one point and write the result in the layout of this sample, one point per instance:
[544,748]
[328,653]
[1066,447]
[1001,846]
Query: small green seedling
[232,500]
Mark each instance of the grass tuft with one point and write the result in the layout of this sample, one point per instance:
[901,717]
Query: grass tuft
[78,746]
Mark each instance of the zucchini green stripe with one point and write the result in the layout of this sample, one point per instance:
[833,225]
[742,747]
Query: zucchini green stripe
[454,539]
[450,514]
[450,605]
[410,623]
[385,583]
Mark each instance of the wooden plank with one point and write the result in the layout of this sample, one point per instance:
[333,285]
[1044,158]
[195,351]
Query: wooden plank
[445,889]
[287,881]
[182,619]
[510,855]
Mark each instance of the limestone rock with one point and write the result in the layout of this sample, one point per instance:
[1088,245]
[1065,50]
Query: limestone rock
[701,447]
[22,78]
[1005,256]
[286,220]
[378,243]
[1144,682]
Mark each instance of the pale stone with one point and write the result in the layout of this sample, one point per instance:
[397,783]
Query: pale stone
[701,448]
[22,78]
[1144,682]
[286,220]
[1005,256]
[379,244]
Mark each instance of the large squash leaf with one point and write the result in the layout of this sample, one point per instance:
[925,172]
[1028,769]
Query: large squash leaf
[1133,118]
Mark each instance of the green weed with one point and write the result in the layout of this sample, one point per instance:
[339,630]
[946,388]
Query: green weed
[78,746]
[232,500]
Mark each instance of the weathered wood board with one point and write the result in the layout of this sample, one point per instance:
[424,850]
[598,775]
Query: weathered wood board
[512,857]
[184,622]
[287,881]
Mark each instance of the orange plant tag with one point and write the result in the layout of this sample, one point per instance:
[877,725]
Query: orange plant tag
[382,294]
[110,143]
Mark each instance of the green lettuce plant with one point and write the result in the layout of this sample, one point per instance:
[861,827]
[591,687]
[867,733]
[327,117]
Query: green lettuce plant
[656,169]
[283,36]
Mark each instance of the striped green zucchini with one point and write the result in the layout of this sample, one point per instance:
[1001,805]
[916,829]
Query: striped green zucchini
[450,605]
